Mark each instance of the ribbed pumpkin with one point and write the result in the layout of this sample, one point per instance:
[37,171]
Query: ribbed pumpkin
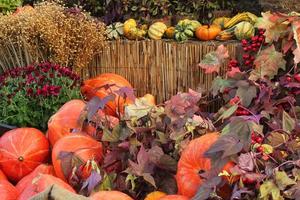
[95,87]
[82,146]
[221,21]
[2,176]
[157,195]
[157,30]
[27,180]
[64,120]
[115,30]
[22,150]
[170,32]
[192,161]
[174,197]
[244,30]
[8,191]
[42,182]
[207,32]
[184,32]
[110,195]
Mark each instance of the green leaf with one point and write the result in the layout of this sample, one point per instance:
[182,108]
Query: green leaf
[267,64]
[109,136]
[131,179]
[282,180]
[219,84]
[108,182]
[226,114]
[268,149]
[288,122]
[246,93]
[269,189]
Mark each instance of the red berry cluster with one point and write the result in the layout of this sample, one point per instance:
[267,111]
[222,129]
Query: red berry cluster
[257,139]
[252,46]
[233,63]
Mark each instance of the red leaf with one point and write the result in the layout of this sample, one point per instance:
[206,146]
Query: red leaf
[213,60]
[233,72]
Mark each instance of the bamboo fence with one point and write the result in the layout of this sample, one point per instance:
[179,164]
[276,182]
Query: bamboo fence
[161,68]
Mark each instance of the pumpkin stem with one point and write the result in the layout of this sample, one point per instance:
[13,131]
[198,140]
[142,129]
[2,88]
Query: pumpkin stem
[201,171]
[21,158]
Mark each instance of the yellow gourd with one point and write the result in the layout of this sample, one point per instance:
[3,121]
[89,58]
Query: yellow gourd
[155,195]
[157,30]
[128,24]
[221,21]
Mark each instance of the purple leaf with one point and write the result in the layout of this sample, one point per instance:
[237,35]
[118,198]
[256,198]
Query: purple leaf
[126,92]
[96,103]
[92,181]
[245,162]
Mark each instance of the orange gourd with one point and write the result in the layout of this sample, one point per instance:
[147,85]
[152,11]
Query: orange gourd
[83,146]
[95,87]
[64,120]
[41,169]
[8,191]
[155,195]
[192,161]
[42,182]
[174,197]
[207,32]
[22,150]
[110,195]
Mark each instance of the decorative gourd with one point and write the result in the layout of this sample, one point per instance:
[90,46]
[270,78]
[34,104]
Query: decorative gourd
[192,161]
[42,182]
[96,87]
[22,150]
[128,24]
[184,32]
[115,30]
[170,32]
[82,146]
[184,22]
[244,30]
[174,197]
[27,180]
[221,21]
[207,32]
[110,195]
[157,195]
[64,120]
[150,99]
[8,191]
[195,24]
[2,176]
[157,30]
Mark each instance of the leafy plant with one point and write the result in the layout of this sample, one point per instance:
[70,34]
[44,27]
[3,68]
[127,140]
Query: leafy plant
[260,119]
[31,94]
[7,6]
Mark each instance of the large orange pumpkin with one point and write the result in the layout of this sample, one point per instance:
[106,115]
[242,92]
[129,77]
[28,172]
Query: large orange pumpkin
[192,162]
[22,150]
[207,32]
[92,88]
[174,197]
[41,169]
[42,182]
[2,176]
[64,120]
[83,146]
[8,191]
[110,195]
[156,195]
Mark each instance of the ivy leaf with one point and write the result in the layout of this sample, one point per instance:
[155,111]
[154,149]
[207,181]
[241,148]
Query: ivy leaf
[139,109]
[269,189]
[96,103]
[282,180]
[213,60]
[273,25]
[92,181]
[296,31]
[245,162]
[68,161]
[227,113]
[108,182]
[276,139]
[207,188]
[246,93]
[126,92]
[288,123]
[219,84]
[267,64]
[109,136]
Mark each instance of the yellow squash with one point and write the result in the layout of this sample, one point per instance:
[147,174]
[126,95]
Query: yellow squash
[157,30]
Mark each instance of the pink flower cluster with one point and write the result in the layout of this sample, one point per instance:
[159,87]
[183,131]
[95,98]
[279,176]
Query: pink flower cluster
[43,80]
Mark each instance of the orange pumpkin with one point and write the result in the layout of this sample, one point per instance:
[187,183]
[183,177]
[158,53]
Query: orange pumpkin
[157,195]
[41,169]
[111,195]
[64,120]
[42,182]
[22,150]
[83,146]
[95,87]
[2,176]
[192,161]
[174,197]
[8,191]
[207,32]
